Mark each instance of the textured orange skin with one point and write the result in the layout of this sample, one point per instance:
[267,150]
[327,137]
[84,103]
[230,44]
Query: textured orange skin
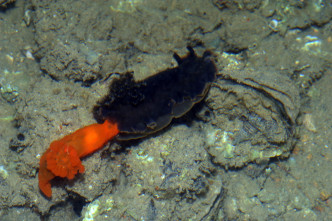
[62,158]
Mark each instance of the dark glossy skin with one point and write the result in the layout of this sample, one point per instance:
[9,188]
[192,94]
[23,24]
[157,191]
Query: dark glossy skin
[144,107]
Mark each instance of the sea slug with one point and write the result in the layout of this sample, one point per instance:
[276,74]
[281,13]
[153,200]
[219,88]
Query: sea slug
[62,158]
[131,110]
[144,107]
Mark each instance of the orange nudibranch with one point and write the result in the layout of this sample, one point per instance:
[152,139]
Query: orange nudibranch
[62,158]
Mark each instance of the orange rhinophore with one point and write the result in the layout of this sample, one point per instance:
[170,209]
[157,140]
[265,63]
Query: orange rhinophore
[62,158]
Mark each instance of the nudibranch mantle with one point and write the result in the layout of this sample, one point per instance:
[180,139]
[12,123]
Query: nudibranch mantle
[144,107]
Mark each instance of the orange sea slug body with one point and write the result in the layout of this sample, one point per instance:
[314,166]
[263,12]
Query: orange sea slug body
[62,158]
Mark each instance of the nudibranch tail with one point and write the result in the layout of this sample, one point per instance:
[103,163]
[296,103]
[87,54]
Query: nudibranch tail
[45,176]
[62,158]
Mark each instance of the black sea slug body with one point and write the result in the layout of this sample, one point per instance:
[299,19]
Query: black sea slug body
[144,107]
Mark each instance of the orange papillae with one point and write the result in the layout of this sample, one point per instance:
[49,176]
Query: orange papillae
[62,158]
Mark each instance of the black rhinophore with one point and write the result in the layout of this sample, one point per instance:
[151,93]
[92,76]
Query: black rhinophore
[144,107]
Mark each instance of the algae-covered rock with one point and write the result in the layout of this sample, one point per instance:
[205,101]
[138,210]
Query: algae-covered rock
[255,113]
[168,177]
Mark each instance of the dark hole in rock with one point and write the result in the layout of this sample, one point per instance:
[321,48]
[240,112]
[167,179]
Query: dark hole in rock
[20,137]
[78,203]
